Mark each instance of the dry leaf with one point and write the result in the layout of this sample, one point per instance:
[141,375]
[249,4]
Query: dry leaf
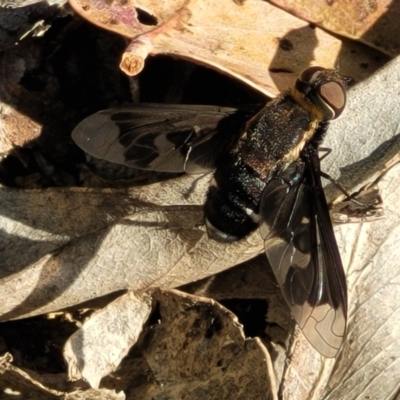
[97,348]
[253,41]
[26,3]
[154,247]
[254,280]
[206,354]
[375,23]
[28,383]
[365,141]
[16,129]
[369,365]
[95,394]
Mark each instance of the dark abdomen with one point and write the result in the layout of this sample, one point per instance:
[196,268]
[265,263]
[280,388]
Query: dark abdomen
[232,204]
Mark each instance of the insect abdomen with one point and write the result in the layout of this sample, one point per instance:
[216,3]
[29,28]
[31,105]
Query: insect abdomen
[232,205]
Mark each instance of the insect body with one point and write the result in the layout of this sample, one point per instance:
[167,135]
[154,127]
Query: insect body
[267,174]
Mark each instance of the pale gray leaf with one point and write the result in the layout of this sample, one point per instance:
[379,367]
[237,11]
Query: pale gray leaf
[96,349]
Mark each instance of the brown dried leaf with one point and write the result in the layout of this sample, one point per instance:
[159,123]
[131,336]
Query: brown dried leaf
[27,383]
[375,23]
[192,332]
[199,346]
[16,129]
[254,280]
[253,41]
[30,385]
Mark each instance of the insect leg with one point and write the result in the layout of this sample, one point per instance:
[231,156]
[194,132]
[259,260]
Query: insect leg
[326,151]
[342,189]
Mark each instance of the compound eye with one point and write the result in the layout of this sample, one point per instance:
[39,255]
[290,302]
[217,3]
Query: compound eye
[310,74]
[333,96]
[325,88]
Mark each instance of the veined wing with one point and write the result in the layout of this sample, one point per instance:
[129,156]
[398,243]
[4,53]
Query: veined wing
[302,250]
[161,137]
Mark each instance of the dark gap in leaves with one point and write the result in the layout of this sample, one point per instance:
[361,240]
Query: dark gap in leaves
[155,316]
[36,343]
[21,166]
[206,86]
[33,81]
[56,28]
[153,85]
[86,76]
[251,314]
[198,85]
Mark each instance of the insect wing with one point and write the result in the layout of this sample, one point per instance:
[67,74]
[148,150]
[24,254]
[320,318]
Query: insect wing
[302,250]
[160,137]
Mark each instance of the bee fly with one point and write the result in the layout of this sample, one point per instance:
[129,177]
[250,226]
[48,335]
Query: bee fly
[267,174]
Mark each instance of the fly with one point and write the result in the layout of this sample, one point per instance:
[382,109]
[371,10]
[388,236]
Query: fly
[267,175]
